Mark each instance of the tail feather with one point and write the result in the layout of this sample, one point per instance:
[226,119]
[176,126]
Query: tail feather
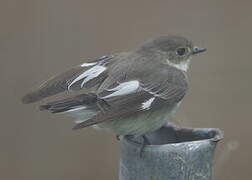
[80,102]
[32,97]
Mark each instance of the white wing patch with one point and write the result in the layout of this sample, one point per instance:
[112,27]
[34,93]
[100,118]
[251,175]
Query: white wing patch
[88,75]
[147,104]
[88,64]
[76,109]
[123,89]
[92,73]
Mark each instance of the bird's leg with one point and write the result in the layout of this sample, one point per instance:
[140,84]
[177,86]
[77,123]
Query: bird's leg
[145,142]
[142,144]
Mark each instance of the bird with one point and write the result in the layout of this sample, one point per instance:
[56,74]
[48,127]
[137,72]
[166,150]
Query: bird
[128,93]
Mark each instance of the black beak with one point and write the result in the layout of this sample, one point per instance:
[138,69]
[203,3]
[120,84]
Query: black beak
[197,50]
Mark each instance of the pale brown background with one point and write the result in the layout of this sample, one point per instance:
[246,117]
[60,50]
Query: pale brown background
[42,37]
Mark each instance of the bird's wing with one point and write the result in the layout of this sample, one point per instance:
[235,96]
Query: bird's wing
[166,85]
[85,76]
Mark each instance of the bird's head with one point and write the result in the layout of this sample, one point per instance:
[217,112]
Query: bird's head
[173,50]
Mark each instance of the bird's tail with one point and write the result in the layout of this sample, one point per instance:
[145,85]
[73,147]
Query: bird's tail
[81,107]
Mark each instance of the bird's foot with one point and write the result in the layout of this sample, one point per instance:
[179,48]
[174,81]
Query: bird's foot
[144,143]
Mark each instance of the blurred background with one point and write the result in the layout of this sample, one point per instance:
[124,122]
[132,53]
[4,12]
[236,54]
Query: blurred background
[39,38]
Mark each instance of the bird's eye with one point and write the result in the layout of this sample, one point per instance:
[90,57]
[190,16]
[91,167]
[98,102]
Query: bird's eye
[181,51]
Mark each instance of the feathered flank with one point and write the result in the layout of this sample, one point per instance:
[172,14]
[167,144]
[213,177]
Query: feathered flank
[151,95]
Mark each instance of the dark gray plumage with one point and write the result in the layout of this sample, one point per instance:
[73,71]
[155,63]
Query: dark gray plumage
[129,93]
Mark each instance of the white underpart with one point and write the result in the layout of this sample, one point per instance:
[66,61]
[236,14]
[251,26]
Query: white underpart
[147,104]
[184,65]
[88,75]
[124,89]
[88,64]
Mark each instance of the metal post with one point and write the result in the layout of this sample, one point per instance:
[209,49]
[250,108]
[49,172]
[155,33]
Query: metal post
[174,154]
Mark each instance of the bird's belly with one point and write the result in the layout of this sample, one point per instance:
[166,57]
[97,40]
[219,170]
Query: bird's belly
[140,123]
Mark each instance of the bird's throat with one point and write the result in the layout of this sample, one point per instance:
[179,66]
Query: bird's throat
[184,65]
